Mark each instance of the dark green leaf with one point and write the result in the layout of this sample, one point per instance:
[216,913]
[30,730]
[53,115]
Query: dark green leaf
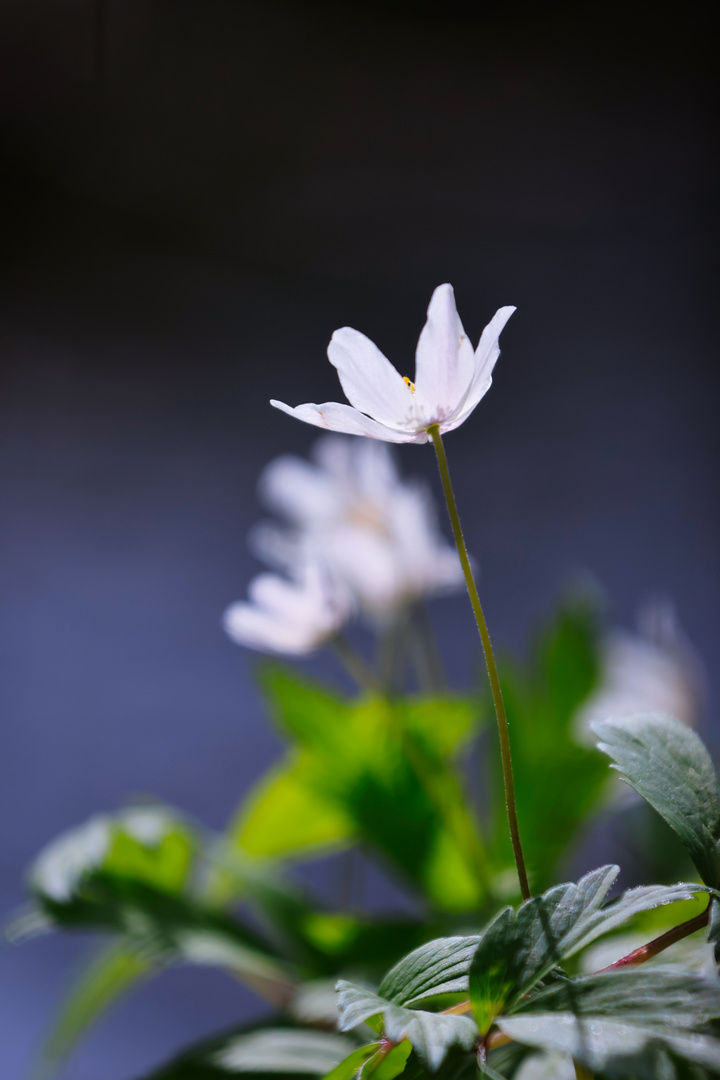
[438,967]
[622,1017]
[432,1034]
[668,765]
[520,947]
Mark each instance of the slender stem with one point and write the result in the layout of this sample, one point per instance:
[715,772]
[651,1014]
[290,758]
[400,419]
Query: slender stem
[432,660]
[659,944]
[354,664]
[502,723]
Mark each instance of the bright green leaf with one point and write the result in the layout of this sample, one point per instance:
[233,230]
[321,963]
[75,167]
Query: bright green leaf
[285,815]
[354,1062]
[392,1065]
[386,766]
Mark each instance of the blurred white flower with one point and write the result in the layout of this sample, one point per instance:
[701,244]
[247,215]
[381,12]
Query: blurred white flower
[375,531]
[291,616]
[450,379]
[654,670]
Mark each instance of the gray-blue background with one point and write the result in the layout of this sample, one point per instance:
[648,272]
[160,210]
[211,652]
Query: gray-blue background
[195,194]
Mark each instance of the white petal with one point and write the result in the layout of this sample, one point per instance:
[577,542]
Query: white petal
[445,361]
[336,417]
[257,629]
[370,382]
[285,599]
[293,487]
[486,356]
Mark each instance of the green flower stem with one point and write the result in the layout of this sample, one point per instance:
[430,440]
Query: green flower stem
[434,433]
[581,1073]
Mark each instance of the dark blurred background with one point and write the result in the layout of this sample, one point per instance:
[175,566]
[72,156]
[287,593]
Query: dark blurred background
[194,194]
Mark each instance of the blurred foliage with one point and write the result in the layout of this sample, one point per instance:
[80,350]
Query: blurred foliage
[386,775]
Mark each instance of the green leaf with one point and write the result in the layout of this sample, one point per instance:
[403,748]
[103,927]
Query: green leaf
[520,947]
[280,1050]
[393,1064]
[669,766]
[373,1060]
[547,1067]
[542,699]
[163,928]
[438,967]
[149,844]
[616,1016]
[354,1062]
[112,971]
[432,1035]
[387,767]
[260,1051]
[285,815]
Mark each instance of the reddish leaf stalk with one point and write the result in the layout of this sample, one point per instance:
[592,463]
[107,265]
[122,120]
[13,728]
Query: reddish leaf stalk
[659,944]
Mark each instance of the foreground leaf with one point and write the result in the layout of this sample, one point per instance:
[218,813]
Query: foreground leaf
[283,1052]
[374,1061]
[432,1035]
[520,947]
[622,1018]
[669,766]
[438,967]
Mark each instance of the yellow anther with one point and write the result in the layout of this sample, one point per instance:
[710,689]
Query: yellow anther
[410,385]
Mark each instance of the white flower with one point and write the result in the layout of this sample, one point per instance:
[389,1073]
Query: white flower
[450,379]
[375,531]
[653,671]
[289,616]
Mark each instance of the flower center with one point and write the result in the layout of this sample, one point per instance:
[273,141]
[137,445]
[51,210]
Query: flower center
[410,385]
[367,514]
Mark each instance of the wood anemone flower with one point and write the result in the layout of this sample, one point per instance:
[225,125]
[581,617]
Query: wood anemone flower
[450,379]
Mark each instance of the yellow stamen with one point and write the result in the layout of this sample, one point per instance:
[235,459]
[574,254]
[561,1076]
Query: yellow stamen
[410,385]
